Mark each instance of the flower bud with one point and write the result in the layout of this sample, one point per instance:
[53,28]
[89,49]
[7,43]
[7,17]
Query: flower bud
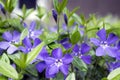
[54,13]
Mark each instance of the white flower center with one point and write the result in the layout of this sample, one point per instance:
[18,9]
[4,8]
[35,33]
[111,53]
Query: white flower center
[104,44]
[58,62]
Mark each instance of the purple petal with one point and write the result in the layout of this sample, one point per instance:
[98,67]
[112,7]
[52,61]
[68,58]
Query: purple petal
[54,13]
[64,69]
[50,60]
[53,70]
[76,48]
[41,66]
[66,19]
[37,41]
[57,53]
[111,51]
[12,49]
[27,42]
[4,45]
[118,45]
[86,59]
[47,75]
[67,59]
[16,36]
[112,38]
[32,26]
[7,36]
[85,48]
[102,34]
[43,54]
[100,51]
[23,49]
[95,41]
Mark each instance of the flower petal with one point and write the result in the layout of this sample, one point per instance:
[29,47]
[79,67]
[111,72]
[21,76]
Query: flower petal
[76,48]
[95,41]
[43,54]
[47,75]
[112,38]
[49,60]
[86,59]
[111,51]
[57,53]
[37,41]
[118,45]
[32,26]
[27,42]
[100,51]
[12,49]
[102,34]
[85,48]
[41,66]
[53,69]
[23,49]
[67,59]
[64,69]
[4,45]
[16,36]
[7,36]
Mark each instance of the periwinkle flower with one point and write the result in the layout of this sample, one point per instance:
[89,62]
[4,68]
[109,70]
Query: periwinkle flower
[80,51]
[55,15]
[56,63]
[28,44]
[66,43]
[118,51]
[104,43]
[10,40]
[33,33]
[65,19]
[2,9]
[113,65]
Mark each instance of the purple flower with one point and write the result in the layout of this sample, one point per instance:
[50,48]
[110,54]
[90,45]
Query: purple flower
[118,51]
[80,51]
[113,65]
[10,40]
[54,13]
[33,33]
[55,63]
[65,43]
[66,19]
[28,45]
[2,9]
[104,43]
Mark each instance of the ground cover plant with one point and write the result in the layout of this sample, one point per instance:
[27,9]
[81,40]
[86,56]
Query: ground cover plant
[76,48]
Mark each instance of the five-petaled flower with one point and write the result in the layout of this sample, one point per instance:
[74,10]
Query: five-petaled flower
[10,40]
[55,63]
[80,51]
[104,44]
[28,44]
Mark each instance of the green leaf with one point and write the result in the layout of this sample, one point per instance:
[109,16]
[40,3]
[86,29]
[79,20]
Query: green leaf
[77,62]
[19,59]
[71,76]
[34,53]
[63,5]
[7,70]
[23,34]
[5,58]
[3,78]
[114,75]
[59,77]
[75,37]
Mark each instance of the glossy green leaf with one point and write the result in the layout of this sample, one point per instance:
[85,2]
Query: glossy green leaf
[71,76]
[5,58]
[7,70]
[114,75]
[34,53]
[77,62]
[75,37]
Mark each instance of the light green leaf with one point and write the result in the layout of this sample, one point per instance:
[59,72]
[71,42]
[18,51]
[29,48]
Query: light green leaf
[114,75]
[71,76]
[7,70]
[23,34]
[5,58]
[34,53]
[77,62]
